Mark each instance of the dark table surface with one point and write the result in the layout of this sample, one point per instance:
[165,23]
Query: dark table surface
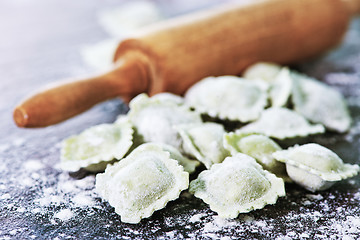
[39,44]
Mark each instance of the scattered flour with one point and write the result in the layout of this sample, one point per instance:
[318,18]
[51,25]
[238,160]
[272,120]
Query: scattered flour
[349,228]
[78,193]
[64,215]
[197,217]
[317,197]
[5,196]
[83,200]
[17,142]
[308,223]
[4,147]
[33,165]
[357,196]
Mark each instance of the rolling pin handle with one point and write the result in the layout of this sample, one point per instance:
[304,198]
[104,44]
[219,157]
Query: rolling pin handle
[65,100]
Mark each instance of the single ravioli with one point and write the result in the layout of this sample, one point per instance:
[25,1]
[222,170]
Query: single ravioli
[95,147]
[320,103]
[262,70]
[237,185]
[282,123]
[315,167]
[204,142]
[259,147]
[188,164]
[228,97]
[142,183]
[155,119]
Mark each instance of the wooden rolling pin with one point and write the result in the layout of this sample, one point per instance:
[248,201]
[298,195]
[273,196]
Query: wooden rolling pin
[175,54]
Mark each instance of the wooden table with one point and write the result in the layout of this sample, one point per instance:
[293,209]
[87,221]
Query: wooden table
[39,44]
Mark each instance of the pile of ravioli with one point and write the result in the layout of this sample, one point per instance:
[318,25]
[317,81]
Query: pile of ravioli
[147,155]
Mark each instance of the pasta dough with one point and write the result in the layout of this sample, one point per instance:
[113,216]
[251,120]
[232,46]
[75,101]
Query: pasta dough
[315,167]
[237,185]
[142,183]
[228,97]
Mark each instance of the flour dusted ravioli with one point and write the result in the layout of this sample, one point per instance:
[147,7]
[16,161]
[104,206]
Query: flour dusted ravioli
[204,142]
[262,70]
[282,123]
[188,165]
[259,147]
[237,185]
[228,97]
[95,147]
[142,183]
[315,167]
[320,103]
[154,119]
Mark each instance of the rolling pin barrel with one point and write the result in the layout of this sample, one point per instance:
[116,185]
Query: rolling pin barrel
[174,55]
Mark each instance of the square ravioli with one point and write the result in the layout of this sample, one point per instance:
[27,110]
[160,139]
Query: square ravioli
[282,123]
[154,119]
[237,185]
[315,167]
[143,182]
[320,103]
[95,147]
[228,97]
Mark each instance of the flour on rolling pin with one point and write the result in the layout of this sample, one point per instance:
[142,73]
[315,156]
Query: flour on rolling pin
[175,54]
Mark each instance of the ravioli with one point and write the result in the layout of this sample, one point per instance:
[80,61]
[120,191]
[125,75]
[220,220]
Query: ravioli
[237,185]
[204,142]
[315,167]
[143,182]
[228,97]
[320,103]
[95,147]
[282,123]
[155,119]
[262,70]
[259,147]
